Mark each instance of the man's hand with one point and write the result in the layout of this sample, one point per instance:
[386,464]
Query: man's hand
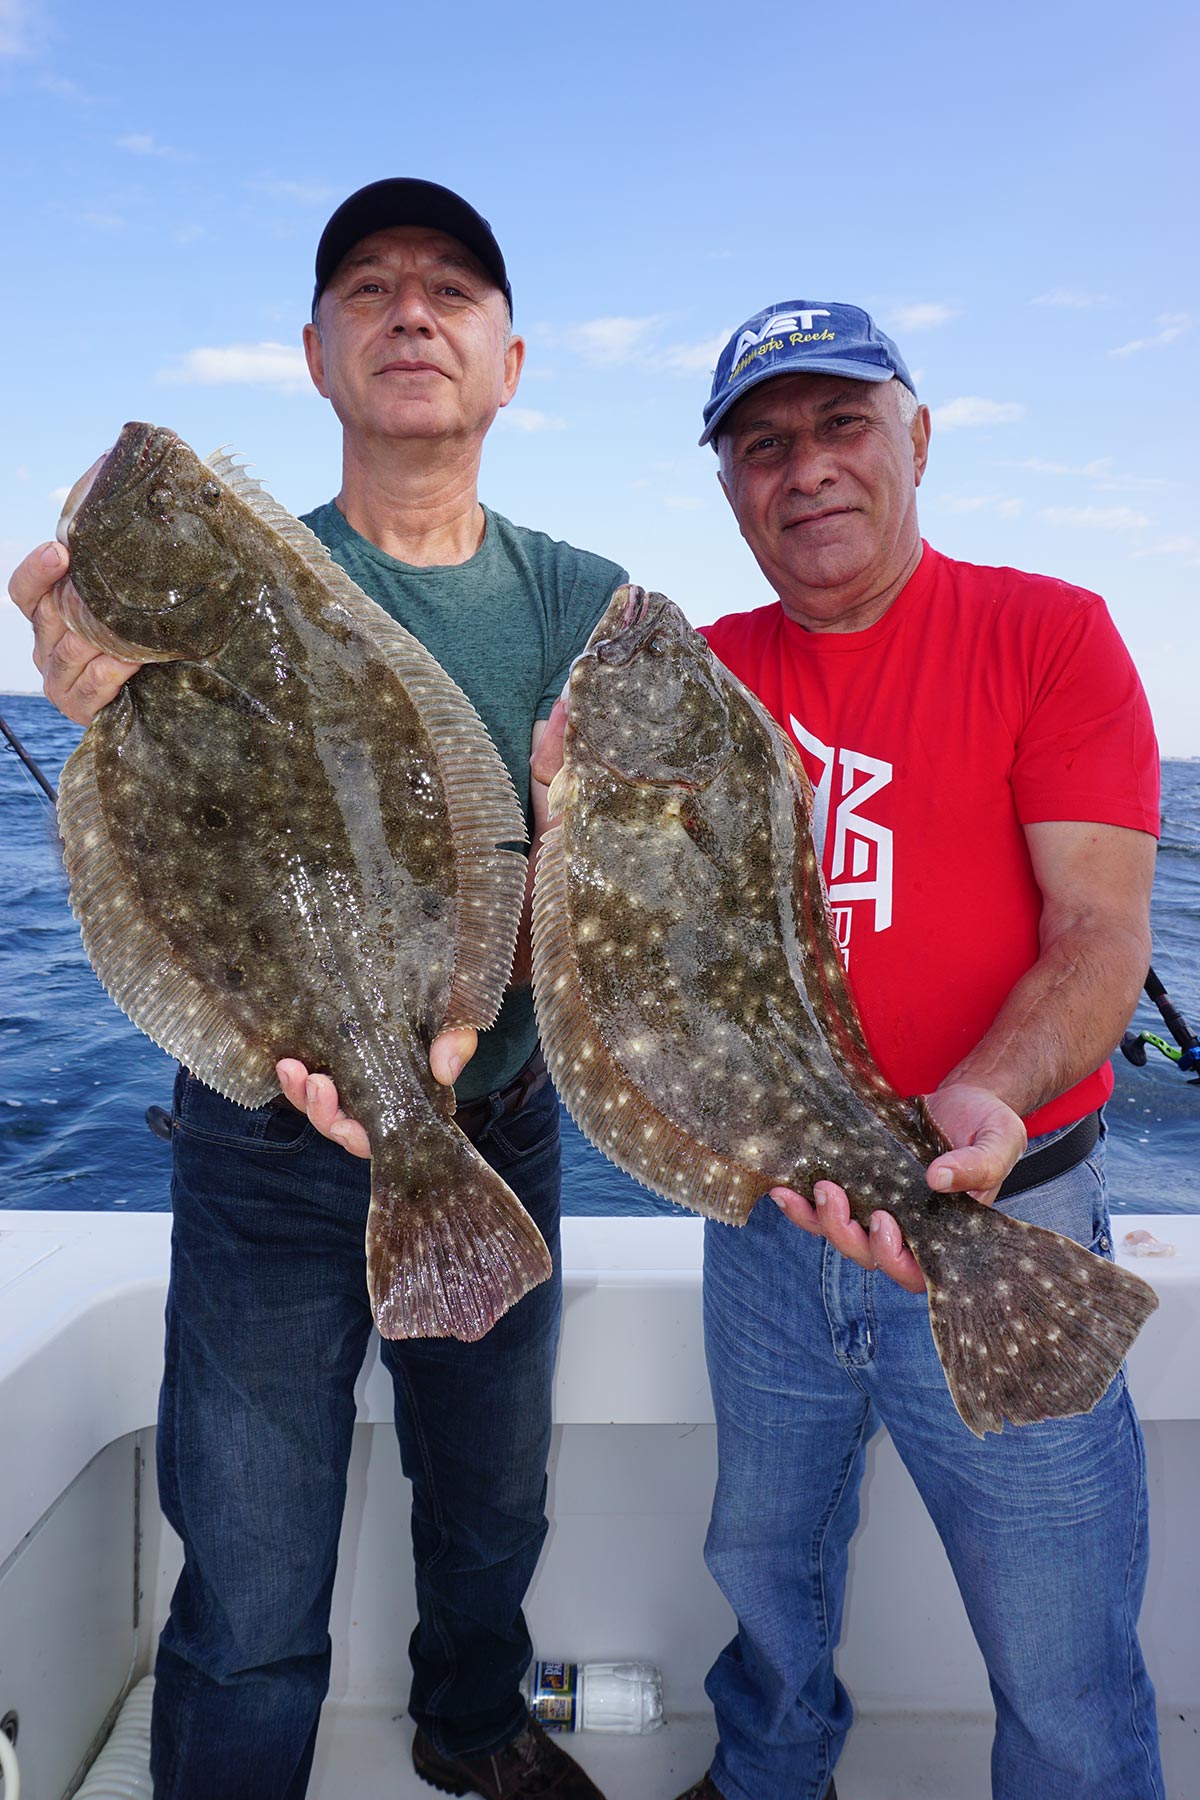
[317,1097]
[988,1137]
[547,758]
[77,678]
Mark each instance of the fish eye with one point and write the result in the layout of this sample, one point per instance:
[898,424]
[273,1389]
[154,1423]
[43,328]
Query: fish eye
[160,499]
[210,493]
[658,643]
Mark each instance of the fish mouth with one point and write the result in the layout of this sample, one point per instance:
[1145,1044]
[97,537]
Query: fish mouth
[630,620]
[635,607]
[78,495]
[146,446]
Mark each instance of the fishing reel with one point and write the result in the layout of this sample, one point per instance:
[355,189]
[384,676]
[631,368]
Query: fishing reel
[1133,1049]
[1184,1052]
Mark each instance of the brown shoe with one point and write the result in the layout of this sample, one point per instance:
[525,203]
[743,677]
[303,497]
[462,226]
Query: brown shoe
[531,1767]
[707,1789]
[703,1789]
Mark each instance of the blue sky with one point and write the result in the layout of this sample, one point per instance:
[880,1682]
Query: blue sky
[1011,190]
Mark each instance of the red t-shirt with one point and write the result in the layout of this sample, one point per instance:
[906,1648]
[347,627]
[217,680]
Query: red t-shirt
[984,700]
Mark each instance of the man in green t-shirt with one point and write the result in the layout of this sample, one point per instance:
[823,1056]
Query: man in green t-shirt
[267,1317]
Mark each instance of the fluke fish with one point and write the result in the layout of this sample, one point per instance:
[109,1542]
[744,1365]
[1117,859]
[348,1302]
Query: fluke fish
[696,1019]
[291,835]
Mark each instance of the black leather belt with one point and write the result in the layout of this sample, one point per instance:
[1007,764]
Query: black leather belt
[1053,1159]
[473,1115]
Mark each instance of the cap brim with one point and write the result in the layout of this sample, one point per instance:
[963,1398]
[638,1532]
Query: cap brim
[817,365]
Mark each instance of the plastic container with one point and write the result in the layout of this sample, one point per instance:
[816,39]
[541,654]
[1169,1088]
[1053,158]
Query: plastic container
[616,1696]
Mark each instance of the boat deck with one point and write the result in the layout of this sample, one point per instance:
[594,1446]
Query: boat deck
[364,1751]
[87,1564]
[906,1757]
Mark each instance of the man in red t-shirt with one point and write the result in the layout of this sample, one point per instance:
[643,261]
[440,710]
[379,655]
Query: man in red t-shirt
[986,786]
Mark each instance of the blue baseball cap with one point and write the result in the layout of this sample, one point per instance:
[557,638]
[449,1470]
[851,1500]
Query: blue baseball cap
[407,201]
[801,337]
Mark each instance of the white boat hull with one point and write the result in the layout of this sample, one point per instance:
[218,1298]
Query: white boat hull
[87,1564]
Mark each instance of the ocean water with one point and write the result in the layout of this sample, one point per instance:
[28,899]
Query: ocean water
[76,1077]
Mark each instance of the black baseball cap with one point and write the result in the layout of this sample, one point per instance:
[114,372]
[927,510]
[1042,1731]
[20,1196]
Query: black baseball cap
[406,201]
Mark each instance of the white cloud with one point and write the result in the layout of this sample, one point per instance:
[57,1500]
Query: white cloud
[1099,472]
[254,365]
[16,19]
[631,341]
[922,316]
[103,221]
[1102,465]
[62,88]
[1072,298]
[970,410]
[1186,545]
[307,193]
[1096,518]
[144,143]
[1173,326]
[1004,505]
[691,359]
[612,340]
[527,418]
[1119,484]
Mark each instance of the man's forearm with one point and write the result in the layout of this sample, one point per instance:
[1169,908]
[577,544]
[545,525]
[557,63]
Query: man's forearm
[1063,1018]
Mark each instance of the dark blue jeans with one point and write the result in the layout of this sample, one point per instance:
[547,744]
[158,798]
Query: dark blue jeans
[267,1326]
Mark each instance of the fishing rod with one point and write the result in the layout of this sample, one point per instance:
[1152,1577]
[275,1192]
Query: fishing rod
[1184,1052]
[25,757]
[157,1117]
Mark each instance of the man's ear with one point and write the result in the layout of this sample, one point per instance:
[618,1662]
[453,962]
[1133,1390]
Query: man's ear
[314,356]
[922,426]
[514,362]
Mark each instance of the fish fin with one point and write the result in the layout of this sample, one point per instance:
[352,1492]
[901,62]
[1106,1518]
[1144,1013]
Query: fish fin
[563,785]
[449,1258]
[136,964]
[819,971]
[484,815]
[482,803]
[1028,1324]
[603,1100]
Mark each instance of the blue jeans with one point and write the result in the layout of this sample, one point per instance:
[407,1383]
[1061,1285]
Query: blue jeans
[267,1325]
[1045,1526]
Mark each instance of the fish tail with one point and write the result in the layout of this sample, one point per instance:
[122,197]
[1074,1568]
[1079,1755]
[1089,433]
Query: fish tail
[449,1248]
[1028,1324]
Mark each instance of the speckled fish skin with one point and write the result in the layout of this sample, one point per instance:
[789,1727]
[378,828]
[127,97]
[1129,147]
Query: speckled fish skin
[696,1019]
[284,838]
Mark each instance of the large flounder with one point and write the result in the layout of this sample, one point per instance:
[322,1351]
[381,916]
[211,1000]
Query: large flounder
[285,837]
[696,1019]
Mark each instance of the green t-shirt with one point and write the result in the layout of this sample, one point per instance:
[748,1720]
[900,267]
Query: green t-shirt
[506,626]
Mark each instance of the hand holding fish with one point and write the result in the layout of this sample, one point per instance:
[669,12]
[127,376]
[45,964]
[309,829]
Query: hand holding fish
[696,1020]
[78,679]
[316,1095]
[354,901]
[547,758]
[988,1137]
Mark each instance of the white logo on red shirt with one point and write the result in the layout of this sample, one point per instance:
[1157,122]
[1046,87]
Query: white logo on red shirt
[860,863]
